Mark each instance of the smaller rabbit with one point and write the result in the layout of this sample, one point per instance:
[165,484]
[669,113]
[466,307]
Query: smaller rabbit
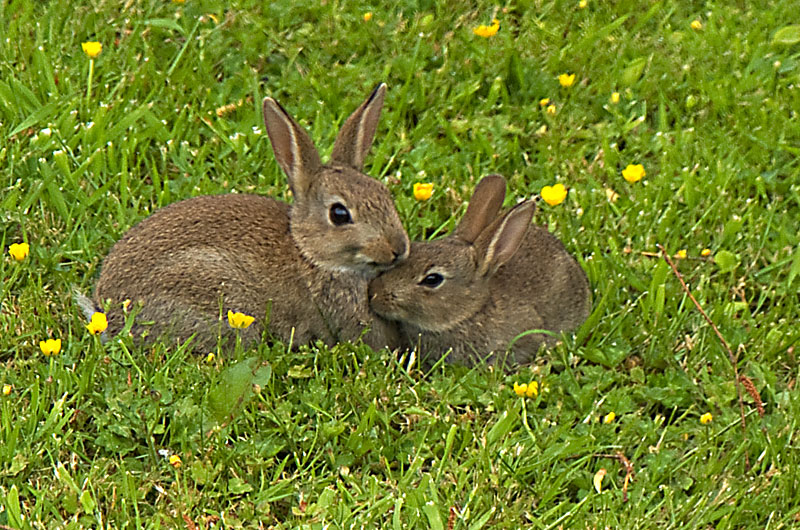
[479,289]
[301,269]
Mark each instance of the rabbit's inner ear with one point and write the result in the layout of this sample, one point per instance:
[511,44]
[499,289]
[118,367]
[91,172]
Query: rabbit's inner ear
[500,242]
[293,148]
[356,136]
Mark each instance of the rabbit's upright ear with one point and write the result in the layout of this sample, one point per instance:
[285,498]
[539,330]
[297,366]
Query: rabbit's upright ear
[501,240]
[356,135]
[293,148]
[486,201]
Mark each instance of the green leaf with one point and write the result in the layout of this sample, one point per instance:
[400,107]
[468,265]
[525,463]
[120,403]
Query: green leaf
[166,23]
[633,71]
[787,35]
[235,388]
[238,486]
[726,260]
[300,372]
[795,269]
[87,502]
[503,425]
[432,513]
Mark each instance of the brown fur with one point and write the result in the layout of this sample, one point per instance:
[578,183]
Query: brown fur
[502,277]
[290,267]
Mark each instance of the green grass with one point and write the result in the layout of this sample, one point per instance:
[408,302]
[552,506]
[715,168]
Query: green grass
[347,437]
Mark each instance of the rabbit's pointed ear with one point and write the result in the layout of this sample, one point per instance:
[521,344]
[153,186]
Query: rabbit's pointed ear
[293,148]
[486,201]
[501,240]
[355,138]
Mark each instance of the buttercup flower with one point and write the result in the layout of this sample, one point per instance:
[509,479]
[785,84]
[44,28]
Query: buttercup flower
[210,357]
[681,254]
[696,25]
[615,97]
[633,173]
[554,195]
[98,323]
[544,102]
[609,418]
[566,80]
[239,320]
[706,252]
[706,418]
[50,347]
[7,390]
[19,251]
[527,389]
[487,31]
[367,16]
[175,461]
[582,4]
[423,190]
[92,49]
[551,110]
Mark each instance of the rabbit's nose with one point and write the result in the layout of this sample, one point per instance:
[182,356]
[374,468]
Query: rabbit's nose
[399,250]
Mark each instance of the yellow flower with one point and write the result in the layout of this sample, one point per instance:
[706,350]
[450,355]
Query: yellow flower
[527,389]
[367,16]
[239,320]
[19,251]
[611,195]
[210,357]
[633,173]
[696,25]
[551,109]
[582,4]
[706,252]
[598,480]
[566,80]
[175,460]
[681,254]
[92,49]
[555,194]
[544,102]
[50,347]
[487,31]
[615,97]
[178,1]
[706,418]
[609,418]
[7,389]
[423,190]
[98,323]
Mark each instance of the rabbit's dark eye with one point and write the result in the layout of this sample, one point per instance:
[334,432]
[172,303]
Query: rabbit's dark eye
[433,279]
[339,215]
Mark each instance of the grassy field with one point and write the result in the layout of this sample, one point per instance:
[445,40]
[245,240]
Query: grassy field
[707,100]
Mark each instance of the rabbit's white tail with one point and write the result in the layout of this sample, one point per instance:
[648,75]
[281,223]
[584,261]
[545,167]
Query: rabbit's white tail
[84,302]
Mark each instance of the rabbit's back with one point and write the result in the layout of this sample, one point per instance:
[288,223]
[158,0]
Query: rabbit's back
[542,285]
[190,262]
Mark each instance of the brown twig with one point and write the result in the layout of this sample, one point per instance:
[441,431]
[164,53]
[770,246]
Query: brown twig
[628,474]
[731,356]
[451,519]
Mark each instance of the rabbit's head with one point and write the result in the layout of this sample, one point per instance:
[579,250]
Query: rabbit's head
[444,283]
[341,218]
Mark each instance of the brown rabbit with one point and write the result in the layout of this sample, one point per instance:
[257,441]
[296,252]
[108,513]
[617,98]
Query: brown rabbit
[485,285]
[302,269]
